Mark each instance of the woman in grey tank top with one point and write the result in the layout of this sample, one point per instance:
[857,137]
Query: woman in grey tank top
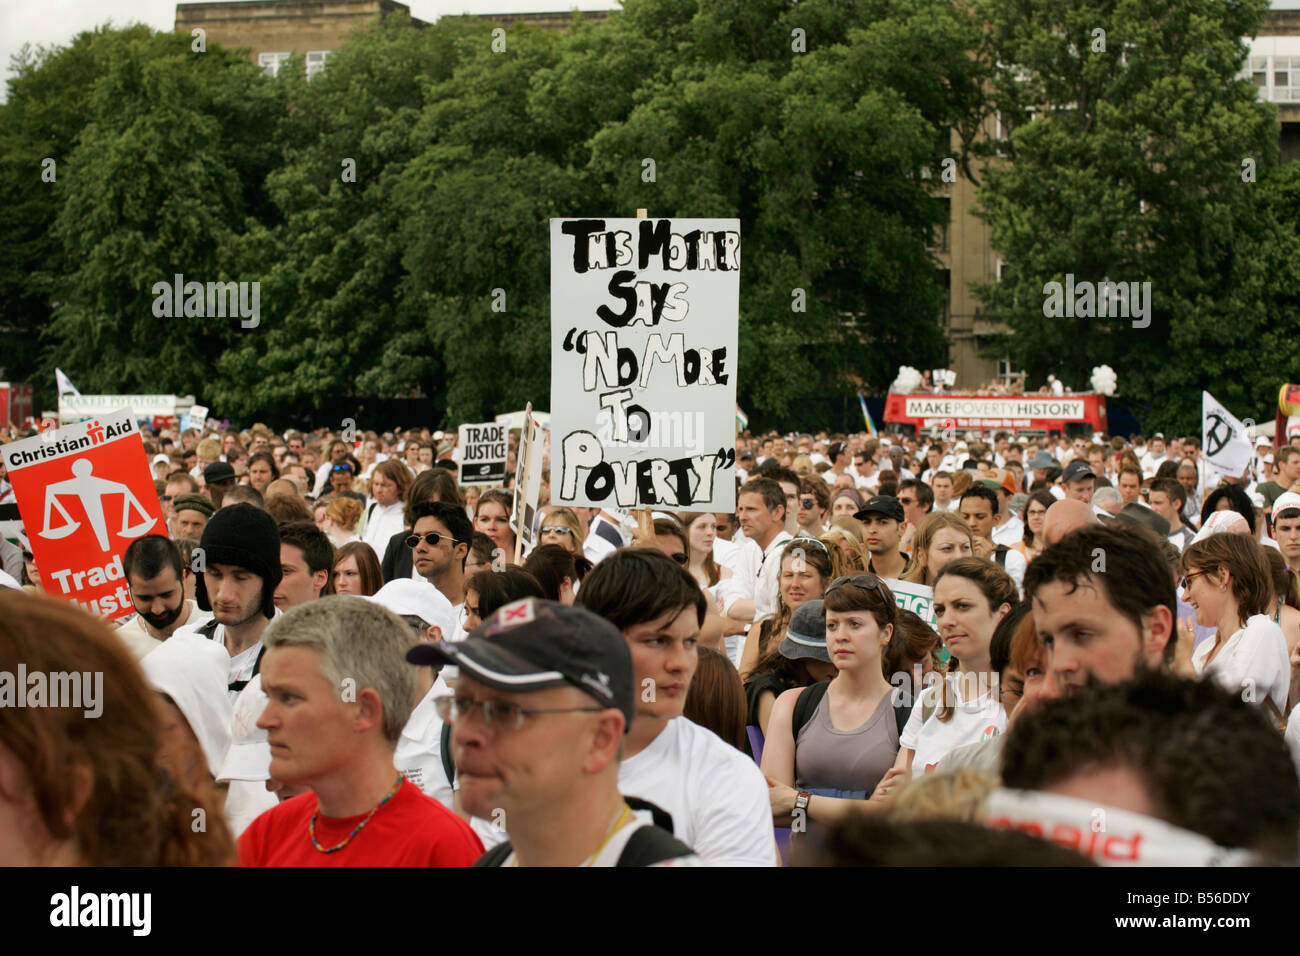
[845,751]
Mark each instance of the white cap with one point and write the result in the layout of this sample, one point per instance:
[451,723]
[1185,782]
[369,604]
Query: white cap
[439,435]
[161,460]
[420,598]
[249,757]
[1288,499]
[1262,440]
[193,671]
[1219,522]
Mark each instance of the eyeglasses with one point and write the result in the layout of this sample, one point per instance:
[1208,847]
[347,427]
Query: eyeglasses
[807,504]
[802,541]
[497,714]
[868,581]
[1187,579]
[432,538]
[347,468]
[556,529]
[679,557]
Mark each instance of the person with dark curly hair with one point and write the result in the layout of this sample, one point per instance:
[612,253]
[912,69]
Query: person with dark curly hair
[1186,752]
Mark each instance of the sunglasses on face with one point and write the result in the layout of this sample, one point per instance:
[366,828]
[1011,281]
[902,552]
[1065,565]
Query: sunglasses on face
[679,557]
[1186,582]
[338,468]
[807,503]
[556,529]
[432,538]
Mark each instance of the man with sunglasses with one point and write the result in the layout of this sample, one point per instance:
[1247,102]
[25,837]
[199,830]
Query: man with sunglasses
[439,543]
[545,698]
[340,476]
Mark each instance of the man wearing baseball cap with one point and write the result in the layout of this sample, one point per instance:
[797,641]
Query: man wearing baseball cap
[882,517]
[1286,527]
[237,569]
[1078,481]
[218,478]
[544,699]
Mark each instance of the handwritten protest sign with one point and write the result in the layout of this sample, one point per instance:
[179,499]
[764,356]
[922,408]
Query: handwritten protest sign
[85,493]
[644,318]
[484,452]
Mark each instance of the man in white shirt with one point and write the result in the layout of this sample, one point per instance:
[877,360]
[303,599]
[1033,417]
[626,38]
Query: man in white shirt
[716,796]
[237,572]
[838,456]
[1155,457]
[156,576]
[750,593]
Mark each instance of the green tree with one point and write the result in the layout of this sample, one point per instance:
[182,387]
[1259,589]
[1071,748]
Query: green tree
[1128,127]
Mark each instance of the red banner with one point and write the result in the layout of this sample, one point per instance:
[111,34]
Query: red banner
[85,493]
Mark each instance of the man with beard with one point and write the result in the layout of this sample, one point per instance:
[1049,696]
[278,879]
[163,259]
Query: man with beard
[157,578]
[1104,607]
[238,571]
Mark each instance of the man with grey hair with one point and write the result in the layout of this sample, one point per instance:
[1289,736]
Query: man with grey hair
[1107,502]
[339,693]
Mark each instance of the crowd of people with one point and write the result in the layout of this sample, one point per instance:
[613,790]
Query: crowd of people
[340,656]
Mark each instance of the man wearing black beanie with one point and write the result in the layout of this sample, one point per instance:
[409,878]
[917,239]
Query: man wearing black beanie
[237,569]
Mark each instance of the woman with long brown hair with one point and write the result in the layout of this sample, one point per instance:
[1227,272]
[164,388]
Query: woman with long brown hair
[80,781]
[805,570]
[941,536]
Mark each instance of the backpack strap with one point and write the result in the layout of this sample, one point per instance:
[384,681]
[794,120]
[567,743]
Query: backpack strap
[448,761]
[239,685]
[806,705]
[1000,554]
[496,856]
[208,629]
[650,845]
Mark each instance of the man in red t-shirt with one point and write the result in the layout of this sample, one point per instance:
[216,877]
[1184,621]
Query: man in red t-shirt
[339,694]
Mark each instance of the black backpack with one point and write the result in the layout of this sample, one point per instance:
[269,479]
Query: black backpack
[648,845]
[812,695]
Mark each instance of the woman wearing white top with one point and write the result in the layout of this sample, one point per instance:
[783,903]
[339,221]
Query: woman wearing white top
[385,514]
[1227,582]
[971,595]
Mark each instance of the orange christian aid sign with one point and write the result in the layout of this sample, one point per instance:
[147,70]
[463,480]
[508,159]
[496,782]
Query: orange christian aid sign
[85,493]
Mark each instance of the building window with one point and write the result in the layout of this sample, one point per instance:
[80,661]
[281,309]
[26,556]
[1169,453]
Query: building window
[1277,77]
[271,62]
[316,61]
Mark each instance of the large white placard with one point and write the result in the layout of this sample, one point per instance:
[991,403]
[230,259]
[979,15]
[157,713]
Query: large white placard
[644,319]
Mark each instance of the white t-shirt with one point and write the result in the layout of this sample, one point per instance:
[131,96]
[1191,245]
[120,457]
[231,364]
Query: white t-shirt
[716,795]
[1254,659]
[1010,532]
[140,642]
[418,754]
[971,721]
[383,522]
[243,663]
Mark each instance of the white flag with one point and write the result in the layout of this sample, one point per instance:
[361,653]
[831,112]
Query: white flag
[1227,449]
[65,386]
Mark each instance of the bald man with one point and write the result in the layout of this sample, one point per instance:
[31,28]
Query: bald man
[1065,516]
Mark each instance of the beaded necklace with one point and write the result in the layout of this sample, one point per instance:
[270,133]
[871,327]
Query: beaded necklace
[311,825]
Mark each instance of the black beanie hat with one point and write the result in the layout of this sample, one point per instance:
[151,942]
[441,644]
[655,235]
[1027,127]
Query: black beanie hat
[246,537]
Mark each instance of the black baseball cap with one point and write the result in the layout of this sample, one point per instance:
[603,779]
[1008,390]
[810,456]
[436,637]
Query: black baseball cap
[217,472]
[533,644]
[1077,470]
[882,505]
